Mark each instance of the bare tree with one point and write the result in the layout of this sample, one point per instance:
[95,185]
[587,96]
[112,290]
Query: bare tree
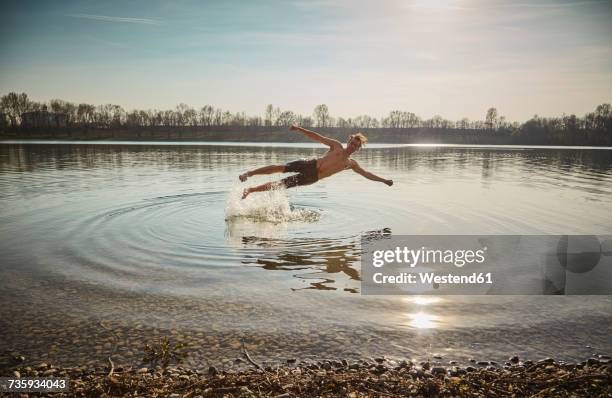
[321,115]
[85,114]
[286,118]
[206,115]
[305,121]
[491,118]
[463,124]
[15,105]
[190,117]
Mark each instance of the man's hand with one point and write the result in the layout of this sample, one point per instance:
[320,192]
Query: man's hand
[294,127]
[388,182]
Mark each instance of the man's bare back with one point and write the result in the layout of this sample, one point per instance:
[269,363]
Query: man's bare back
[335,160]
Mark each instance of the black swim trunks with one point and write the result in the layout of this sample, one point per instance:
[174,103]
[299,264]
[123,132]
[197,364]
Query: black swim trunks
[306,170]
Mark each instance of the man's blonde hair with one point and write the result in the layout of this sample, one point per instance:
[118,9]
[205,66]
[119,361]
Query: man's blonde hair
[362,138]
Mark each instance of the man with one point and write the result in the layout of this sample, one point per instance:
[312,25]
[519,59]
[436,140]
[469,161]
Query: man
[335,160]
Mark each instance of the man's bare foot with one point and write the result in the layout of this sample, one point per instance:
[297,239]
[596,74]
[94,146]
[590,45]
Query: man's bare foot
[245,193]
[243,177]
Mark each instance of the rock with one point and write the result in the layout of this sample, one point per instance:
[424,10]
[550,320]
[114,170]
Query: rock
[354,366]
[452,362]
[437,356]
[379,369]
[546,360]
[291,360]
[482,363]
[592,362]
[470,369]
[326,366]
[49,372]
[17,374]
[380,359]
[404,364]
[344,363]
[438,370]
[514,359]
[143,370]
[472,360]
[425,365]
[418,373]
[212,371]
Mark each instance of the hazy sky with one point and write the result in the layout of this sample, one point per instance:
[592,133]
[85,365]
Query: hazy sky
[453,58]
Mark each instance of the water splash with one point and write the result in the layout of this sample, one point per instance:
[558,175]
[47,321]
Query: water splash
[271,206]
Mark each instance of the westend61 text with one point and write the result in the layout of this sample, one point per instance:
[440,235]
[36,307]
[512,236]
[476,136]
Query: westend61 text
[431,278]
[414,257]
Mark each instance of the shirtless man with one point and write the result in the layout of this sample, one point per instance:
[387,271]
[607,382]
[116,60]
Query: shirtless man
[335,160]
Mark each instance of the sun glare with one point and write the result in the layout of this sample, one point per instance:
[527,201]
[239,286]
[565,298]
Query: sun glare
[420,300]
[422,320]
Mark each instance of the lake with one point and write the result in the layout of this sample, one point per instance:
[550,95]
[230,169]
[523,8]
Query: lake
[107,246]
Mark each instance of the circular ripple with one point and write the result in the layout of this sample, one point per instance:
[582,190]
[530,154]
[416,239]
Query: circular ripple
[155,241]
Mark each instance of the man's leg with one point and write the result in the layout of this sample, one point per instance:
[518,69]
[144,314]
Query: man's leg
[262,170]
[263,187]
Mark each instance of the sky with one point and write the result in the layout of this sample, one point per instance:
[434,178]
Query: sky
[430,57]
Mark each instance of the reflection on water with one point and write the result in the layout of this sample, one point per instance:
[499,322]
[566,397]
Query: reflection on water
[322,257]
[422,320]
[423,300]
[153,235]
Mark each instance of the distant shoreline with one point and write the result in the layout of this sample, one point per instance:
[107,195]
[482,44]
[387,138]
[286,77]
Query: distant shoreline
[422,136]
[265,144]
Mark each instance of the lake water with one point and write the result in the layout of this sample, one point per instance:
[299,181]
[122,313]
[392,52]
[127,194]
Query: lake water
[116,244]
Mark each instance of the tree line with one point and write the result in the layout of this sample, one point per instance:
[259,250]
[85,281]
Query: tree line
[14,105]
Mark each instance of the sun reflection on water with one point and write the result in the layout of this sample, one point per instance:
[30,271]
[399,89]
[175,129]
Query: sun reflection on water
[423,320]
[422,300]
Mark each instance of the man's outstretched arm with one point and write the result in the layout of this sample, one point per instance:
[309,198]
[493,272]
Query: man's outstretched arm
[330,142]
[370,176]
